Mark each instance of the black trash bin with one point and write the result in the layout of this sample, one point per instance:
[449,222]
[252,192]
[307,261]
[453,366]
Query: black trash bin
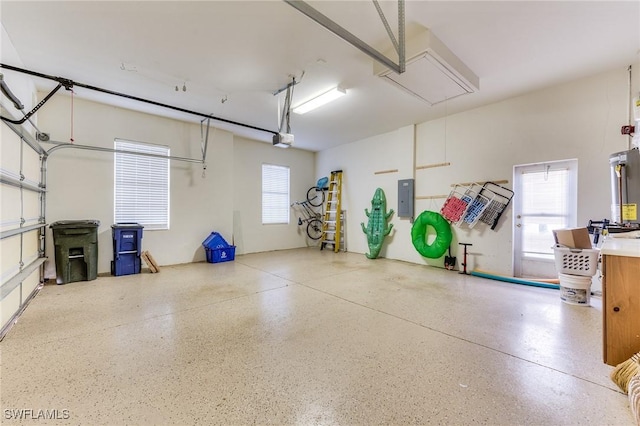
[127,248]
[76,250]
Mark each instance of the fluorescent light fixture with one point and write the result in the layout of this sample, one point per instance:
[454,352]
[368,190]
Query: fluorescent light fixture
[318,101]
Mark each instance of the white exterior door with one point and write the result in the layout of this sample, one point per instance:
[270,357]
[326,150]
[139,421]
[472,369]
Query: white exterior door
[545,199]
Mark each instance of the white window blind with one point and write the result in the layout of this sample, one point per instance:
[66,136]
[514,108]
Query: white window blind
[549,204]
[142,185]
[275,194]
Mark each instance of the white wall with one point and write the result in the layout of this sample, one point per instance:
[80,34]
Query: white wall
[359,162]
[226,200]
[581,119]
[249,233]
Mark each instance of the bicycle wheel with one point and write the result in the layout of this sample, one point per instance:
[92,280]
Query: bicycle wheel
[314,229]
[315,196]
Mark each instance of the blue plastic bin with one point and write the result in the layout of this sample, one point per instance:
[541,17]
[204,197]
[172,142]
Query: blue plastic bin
[222,254]
[217,249]
[127,248]
[215,240]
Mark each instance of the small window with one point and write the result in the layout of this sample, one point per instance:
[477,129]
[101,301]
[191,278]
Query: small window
[142,185]
[275,194]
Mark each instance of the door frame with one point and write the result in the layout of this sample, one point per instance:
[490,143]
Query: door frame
[572,200]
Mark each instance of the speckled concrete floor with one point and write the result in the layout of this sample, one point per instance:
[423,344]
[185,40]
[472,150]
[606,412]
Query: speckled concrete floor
[307,337]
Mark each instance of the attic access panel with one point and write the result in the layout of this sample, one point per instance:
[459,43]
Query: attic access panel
[433,73]
[425,80]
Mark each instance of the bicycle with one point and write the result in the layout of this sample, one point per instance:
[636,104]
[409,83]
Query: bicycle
[311,218]
[315,196]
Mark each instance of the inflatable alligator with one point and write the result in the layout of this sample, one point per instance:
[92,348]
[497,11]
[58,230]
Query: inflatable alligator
[377,227]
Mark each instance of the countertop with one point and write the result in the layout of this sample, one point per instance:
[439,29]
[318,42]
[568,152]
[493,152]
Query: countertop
[621,247]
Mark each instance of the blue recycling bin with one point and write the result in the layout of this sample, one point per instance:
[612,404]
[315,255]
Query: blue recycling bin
[127,248]
[217,249]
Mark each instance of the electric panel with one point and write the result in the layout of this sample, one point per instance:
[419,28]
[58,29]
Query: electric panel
[405,197]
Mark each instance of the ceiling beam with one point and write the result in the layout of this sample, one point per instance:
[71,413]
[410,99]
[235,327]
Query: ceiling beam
[341,32]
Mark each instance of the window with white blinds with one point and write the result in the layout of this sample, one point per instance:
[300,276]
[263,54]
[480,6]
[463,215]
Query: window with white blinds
[547,199]
[142,185]
[275,194]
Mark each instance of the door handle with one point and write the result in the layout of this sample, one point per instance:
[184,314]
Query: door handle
[519,225]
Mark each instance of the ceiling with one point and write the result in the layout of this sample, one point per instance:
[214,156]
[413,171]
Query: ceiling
[233,56]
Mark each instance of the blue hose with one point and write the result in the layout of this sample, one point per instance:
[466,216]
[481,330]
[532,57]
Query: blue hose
[516,280]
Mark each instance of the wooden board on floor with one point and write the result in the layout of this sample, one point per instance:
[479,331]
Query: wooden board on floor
[150,261]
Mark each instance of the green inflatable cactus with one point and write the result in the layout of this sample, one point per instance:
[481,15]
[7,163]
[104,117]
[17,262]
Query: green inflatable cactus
[377,227]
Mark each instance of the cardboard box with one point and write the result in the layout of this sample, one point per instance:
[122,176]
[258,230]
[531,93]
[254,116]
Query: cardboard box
[573,238]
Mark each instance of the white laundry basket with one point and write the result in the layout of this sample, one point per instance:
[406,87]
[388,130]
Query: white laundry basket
[583,262]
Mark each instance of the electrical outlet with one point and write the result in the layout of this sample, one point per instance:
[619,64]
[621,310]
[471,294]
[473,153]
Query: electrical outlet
[627,130]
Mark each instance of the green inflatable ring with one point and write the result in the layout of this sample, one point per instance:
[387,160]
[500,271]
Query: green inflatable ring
[419,234]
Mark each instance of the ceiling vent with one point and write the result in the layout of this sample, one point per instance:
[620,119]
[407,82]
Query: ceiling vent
[432,73]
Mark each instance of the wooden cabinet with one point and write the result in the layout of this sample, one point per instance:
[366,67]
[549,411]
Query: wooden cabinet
[620,307]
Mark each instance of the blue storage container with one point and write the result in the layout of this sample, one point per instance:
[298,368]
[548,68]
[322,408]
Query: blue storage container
[221,254]
[126,264]
[217,249]
[127,248]
[215,240]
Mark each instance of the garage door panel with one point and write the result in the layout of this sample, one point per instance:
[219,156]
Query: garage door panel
[10,208]
[20,268]
[30,245]
[30,284]
[31,165]
[10,305]
[10,150]
[31,207]
[10,259]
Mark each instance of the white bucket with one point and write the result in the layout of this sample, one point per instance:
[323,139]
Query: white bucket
[575,290]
